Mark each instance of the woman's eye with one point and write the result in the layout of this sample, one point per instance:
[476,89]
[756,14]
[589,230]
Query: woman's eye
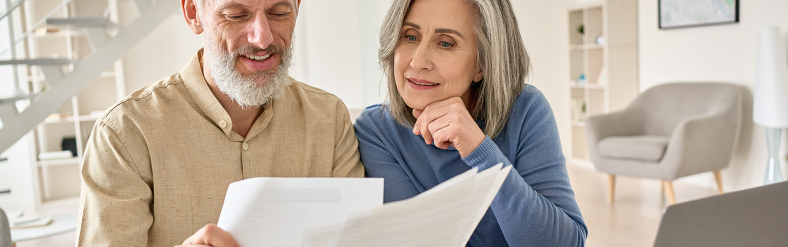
[411,38]
[444,44]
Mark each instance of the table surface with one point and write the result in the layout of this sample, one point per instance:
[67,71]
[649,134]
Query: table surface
[60,224]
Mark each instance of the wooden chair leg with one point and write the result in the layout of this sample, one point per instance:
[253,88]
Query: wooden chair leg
[718,177]
[669,191]
[611,187]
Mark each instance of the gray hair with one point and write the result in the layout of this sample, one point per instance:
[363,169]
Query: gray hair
[198,5]
[501,56]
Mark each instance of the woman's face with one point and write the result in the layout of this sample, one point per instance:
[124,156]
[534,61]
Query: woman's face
[435,57]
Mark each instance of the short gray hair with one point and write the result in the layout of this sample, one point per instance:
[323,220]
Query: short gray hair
[198,5]
[501,56]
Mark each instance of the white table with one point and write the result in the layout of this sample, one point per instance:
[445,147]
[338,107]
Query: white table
[60,224]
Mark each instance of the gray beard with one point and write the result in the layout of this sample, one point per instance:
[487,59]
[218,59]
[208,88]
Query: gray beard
[248,91]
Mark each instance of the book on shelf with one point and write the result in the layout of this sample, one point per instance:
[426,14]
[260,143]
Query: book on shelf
[27,222]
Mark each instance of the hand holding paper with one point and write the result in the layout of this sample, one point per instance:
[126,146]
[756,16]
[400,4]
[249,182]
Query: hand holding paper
[318,212]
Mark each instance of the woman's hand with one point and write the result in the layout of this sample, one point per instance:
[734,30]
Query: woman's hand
[448,123]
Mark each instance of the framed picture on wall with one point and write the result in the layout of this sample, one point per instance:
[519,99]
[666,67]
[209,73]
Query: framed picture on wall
[693,13]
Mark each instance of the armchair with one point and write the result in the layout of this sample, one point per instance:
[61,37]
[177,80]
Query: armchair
[5,230]
[669,131]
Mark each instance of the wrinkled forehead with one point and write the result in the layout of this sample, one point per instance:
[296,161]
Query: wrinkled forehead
[216,4]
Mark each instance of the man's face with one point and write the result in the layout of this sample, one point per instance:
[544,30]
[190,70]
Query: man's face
[248,46]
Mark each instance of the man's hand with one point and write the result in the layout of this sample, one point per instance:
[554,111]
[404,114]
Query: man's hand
[447,122]
[210,235]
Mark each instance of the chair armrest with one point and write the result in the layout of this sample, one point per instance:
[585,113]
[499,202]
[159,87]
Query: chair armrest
[5,230]
[703,143]
[620,123]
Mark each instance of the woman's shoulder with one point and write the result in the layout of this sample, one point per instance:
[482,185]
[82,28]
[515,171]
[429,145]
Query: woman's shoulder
[375,124]
[372,114]
[376,116]
[531,95]
[530,99]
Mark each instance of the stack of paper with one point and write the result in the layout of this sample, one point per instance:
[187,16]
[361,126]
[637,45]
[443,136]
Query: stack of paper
[275,211]
[445,215]
[317,212]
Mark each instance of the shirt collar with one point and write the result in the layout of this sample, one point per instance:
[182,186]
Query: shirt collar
[198,88]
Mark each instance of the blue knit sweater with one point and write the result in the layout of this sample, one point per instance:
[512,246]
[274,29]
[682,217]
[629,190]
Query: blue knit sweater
[534,207]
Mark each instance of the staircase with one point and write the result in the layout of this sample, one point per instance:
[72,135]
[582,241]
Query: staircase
[60,87]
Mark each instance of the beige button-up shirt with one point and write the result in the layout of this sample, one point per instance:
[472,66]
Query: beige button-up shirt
[158,164]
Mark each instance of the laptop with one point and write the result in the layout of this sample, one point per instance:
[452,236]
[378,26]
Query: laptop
[752,217]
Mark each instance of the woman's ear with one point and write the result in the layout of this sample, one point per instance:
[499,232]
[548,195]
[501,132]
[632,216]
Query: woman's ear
[191,16]
[479,76]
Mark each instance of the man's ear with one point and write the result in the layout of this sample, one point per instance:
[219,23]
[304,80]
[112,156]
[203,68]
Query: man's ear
[191,16]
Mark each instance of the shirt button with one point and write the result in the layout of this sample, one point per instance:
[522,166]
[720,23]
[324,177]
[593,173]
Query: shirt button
[222,124]
[246,146]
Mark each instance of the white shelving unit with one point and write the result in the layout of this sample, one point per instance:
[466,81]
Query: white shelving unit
[59,180]
[609,67]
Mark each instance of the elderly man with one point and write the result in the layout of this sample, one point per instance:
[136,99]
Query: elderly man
[158,163]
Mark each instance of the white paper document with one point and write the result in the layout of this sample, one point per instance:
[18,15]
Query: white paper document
[275,211]
[445,215]
[313,212]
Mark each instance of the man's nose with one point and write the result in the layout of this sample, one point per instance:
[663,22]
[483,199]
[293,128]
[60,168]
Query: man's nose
[260,32]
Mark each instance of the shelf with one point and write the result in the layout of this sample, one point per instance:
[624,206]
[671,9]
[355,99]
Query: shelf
[83,118]
[107,74]
[585,47]
[609,83]
[61,33]
[59,206]
[589,86]
[58,162]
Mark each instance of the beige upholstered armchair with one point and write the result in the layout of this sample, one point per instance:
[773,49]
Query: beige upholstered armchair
[669,131]
[5,230]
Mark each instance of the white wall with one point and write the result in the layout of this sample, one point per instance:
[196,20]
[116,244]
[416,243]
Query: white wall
[336,48]
[543,25]
[161,53]
[722,53]
[17,174]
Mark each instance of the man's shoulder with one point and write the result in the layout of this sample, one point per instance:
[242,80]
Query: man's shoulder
[302,94]
[310,92]
[146,100]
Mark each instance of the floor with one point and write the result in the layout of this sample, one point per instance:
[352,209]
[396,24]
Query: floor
[61,240]
[632,220]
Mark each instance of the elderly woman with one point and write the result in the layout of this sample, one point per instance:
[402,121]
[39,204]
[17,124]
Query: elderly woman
[457,99]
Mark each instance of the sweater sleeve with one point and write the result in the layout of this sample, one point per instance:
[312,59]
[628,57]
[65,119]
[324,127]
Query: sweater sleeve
[379,162]
[535,205]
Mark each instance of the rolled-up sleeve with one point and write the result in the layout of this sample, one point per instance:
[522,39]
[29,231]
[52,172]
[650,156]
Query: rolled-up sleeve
[115,202]
[347,162]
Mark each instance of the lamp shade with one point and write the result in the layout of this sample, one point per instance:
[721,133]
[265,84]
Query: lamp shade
[770,99]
